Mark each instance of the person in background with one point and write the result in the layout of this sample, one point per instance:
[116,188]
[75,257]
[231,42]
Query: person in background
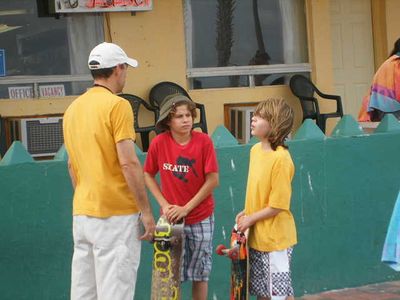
[384,94]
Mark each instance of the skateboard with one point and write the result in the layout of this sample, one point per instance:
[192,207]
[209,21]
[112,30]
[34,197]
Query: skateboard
[238,253]
[168,245]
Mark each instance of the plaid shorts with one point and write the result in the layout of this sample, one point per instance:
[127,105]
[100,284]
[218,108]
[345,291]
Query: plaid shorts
[197,257]
[270,274]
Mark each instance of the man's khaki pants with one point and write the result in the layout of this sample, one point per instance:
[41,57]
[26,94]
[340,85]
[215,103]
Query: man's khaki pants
[106,257]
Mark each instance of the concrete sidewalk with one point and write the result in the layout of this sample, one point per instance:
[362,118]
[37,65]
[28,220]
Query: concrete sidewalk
[380,291]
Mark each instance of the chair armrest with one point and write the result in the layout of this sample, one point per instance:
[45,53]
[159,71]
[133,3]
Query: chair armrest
[337,98]
[329,96]
[304,98]
[199,105]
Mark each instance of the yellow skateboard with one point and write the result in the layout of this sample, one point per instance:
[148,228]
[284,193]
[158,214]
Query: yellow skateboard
[168,249]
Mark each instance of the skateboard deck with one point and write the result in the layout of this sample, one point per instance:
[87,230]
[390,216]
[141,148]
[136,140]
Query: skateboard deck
[168,249]
[238,253]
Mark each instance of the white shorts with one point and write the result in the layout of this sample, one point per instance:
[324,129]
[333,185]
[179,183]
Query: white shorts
[106,257]
[270,274]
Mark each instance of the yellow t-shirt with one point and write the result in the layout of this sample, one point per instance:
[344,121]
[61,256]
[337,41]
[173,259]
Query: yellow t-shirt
[269,185]
[93,124]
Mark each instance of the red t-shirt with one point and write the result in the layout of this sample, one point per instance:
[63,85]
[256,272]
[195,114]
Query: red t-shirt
[183,170]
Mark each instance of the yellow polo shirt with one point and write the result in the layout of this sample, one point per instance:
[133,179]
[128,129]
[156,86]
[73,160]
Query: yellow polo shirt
[93,124]
[269,185]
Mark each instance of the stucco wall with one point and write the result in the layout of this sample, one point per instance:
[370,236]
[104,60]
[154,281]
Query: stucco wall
[156,38]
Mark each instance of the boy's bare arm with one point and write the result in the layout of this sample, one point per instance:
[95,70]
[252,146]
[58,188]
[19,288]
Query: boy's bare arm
[245,222]
[154,188]
[176,213]
[238,216]
[132,171]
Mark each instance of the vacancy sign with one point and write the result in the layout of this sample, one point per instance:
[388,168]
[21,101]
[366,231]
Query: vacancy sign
[55,90]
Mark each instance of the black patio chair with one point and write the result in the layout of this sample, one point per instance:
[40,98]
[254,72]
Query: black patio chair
[304,89]
[144,131]
[166,88]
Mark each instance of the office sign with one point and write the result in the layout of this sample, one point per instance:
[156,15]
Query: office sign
[20,92]
[79,6]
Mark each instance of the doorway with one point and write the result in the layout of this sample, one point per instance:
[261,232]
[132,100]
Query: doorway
[352,51]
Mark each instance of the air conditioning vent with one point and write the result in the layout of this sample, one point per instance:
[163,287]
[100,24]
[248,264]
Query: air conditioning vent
[42,136]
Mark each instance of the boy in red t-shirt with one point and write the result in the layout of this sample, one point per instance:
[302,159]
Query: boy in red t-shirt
[188,168]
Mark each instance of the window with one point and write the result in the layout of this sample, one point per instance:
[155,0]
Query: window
[45,56]
[244,43]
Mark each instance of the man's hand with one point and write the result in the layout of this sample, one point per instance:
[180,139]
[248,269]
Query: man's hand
[149,226]
[175,213]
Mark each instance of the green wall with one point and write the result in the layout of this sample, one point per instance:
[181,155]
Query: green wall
[343,195]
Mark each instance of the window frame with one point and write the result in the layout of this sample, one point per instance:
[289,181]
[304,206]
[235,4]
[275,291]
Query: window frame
[249,71]
[34,81]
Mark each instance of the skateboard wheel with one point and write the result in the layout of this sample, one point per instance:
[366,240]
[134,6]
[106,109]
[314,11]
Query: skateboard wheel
[233,253]
[219,249]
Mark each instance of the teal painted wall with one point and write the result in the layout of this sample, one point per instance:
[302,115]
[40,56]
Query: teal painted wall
[35,231]
[343,195]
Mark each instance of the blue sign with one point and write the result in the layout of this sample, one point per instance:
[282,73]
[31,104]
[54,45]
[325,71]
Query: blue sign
[2,62]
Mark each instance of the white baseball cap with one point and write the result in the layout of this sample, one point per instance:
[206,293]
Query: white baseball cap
[108,55]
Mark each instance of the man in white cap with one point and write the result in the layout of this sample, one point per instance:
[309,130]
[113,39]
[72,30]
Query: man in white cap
[107,178]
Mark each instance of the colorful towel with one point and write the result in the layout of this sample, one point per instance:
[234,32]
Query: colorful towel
[384,93]
[391,248]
